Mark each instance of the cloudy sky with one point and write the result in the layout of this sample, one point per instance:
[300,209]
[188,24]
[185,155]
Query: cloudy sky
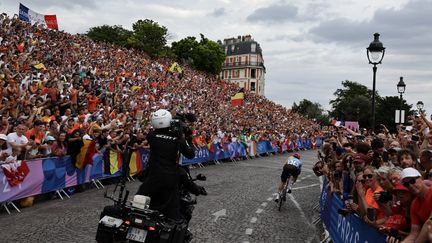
[309,46]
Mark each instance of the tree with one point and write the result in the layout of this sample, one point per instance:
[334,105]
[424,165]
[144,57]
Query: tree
[149,37]
[112,34]
[385,112]
[352,103]
[206,55]
[185,48]
[311,110]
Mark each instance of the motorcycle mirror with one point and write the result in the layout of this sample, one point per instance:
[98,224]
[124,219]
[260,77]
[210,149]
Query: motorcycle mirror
[201,177]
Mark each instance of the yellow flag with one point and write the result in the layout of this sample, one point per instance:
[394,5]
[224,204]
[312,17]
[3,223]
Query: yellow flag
[132,164]
[113,161]
[175,68]
[39,66]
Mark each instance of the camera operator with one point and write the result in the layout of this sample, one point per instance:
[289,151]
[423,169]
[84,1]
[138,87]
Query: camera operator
[161,178]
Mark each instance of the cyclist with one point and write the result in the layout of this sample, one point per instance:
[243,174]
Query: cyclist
[291,168]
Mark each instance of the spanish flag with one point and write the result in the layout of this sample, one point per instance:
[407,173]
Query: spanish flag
[175,68]
[237,99]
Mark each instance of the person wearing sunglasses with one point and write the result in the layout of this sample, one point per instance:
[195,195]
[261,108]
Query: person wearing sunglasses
[421,206]
[366,194]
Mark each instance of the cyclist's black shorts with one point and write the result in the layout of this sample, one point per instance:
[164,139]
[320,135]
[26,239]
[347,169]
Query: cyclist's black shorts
[289,170]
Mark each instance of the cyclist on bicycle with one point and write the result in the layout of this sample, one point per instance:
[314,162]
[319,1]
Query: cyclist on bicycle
[291,168]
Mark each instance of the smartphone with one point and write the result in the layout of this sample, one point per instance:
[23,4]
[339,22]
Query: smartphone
[415,138]
[370,213]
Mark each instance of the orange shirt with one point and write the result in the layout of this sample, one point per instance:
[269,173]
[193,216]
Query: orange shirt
[38,135]
[372,203]
[92,103]
[421,208]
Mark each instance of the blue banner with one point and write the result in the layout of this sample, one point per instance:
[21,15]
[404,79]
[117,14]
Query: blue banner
[344,229]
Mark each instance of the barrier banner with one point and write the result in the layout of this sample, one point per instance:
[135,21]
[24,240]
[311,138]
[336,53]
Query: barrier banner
[344,229]
[51,174]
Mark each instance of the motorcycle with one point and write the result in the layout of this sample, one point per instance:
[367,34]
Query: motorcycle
[135,222]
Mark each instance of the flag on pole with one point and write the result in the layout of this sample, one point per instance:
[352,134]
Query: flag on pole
[238,98]
[32,17]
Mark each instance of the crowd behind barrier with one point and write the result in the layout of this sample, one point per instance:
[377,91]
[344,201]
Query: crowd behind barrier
[57,173]
[344,229]
[377,184]
[62,94]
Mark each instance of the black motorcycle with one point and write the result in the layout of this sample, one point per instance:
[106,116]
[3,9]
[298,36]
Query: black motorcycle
[135,222]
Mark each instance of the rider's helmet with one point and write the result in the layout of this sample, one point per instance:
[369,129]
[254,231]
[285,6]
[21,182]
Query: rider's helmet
[296,155]
[161,119]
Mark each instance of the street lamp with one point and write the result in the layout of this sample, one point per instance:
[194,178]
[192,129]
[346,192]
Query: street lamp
[375,54]
[401,89]
[420,106]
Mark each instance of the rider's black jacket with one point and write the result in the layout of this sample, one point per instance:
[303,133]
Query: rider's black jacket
[161,178]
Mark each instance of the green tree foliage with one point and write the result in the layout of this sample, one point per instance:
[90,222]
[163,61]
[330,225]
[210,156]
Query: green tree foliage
[149,37]
[112,34]
[206,55]
[311,110]
[185,48]
[354,103]
[385,111]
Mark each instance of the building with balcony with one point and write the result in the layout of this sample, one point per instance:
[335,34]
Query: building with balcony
[244,64]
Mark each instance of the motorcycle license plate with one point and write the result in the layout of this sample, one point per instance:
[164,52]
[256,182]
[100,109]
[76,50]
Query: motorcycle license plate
[136,234]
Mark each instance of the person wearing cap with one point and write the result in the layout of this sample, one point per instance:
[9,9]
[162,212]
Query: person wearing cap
[48,145]
[421,206]
[400,216]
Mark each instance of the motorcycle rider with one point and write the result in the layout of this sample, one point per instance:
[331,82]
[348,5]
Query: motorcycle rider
[161,178]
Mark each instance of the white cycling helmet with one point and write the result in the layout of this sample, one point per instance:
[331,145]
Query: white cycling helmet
[161,119]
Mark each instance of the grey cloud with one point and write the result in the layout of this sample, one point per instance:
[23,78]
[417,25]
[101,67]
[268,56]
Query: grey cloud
[63,4]
[274,14]
[406,29]
[218,12]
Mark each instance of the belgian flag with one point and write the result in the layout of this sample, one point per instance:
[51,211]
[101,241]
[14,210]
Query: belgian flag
[238,99]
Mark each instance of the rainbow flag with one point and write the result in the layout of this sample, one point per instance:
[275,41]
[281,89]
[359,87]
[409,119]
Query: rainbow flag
[135,163]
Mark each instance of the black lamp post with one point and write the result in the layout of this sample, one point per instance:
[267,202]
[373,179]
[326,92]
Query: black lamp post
[420,106]
[375,54]
[401,89]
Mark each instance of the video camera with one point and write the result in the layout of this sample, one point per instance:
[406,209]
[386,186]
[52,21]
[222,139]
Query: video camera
[179,126]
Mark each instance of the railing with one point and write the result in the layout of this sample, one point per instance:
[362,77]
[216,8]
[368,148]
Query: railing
[242,64]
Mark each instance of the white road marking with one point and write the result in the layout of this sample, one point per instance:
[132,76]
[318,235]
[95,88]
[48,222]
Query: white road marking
[269,199]
[253,220]
[219,213]
[274,194]
[300,209]
[249,231]
[259,210]
[264,204]
[303,187]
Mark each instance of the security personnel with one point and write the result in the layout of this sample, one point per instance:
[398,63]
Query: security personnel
[161,178]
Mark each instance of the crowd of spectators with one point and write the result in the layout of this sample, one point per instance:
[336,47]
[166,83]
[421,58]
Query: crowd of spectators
[59,89]
[383,178]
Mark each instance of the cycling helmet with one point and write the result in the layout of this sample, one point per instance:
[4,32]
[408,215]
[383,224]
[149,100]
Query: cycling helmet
[161,119]
[296,155]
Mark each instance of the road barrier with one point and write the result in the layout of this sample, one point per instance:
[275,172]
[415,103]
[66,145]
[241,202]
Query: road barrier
[344,229]
[58,173]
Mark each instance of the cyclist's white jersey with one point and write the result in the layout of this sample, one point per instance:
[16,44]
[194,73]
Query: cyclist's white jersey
[294,161]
